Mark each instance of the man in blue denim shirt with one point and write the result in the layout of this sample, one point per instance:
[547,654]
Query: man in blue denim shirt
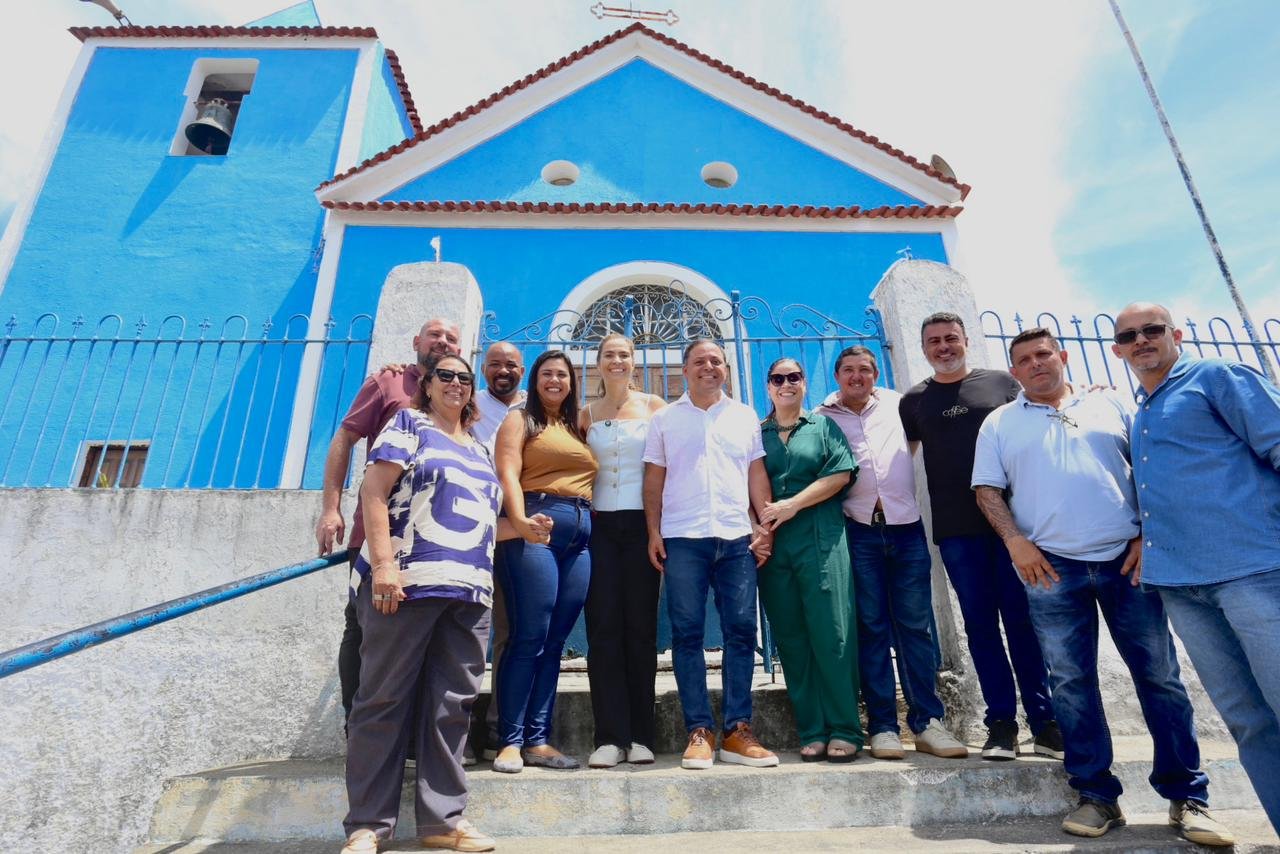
[1206,457]
[1062,457]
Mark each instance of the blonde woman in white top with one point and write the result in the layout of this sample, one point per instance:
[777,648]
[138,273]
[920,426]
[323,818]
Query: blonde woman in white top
[622,601]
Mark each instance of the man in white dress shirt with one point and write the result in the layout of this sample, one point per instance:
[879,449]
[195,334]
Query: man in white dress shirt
[704,472]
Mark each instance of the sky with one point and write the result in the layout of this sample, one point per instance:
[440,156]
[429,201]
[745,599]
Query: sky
[1077,204]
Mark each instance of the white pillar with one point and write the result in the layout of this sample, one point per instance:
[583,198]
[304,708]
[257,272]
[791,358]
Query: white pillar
[910,291]
[411,295]
[415,293]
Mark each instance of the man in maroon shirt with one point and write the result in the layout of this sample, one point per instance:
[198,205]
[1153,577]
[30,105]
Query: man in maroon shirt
[379,399]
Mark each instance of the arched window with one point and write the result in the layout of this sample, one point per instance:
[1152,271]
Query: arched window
[652,314]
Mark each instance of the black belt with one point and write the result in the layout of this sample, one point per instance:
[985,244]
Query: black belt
[877,518]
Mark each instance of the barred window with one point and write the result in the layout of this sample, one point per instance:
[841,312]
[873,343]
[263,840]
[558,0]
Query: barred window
[660,314]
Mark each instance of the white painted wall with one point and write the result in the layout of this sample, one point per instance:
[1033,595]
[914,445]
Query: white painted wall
[88,741]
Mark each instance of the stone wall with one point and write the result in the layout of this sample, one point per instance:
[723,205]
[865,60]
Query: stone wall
[89,740]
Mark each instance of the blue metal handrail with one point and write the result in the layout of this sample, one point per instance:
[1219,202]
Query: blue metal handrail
[49,649]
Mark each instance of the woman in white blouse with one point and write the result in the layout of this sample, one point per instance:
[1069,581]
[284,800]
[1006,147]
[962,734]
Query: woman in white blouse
[622,601]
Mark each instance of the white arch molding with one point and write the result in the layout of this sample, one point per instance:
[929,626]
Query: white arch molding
[697,286]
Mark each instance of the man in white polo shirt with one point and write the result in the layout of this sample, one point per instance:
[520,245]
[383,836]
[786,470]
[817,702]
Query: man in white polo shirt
[1063,459]
[704,472]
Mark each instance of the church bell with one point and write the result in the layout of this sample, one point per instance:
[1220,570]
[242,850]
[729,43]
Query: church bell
[211,131]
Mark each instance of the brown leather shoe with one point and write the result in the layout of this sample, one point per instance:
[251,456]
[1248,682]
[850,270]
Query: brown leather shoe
[742,747]
[700,752]
[463,837]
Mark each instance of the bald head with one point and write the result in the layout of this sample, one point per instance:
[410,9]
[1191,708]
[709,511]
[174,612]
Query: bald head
[438,336]
[1147,341]
[1153,309]
[503,369]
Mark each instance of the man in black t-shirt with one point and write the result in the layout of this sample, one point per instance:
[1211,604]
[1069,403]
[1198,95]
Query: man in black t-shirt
[944,413]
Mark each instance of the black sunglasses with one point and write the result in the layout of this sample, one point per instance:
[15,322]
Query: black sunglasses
[1151,332]
[447,376]
[795,378]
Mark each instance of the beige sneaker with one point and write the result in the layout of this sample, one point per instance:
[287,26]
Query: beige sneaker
[886,745]
[463,837]
[361,841]
[741,747]
[937,741]
[1195,824]
[701,750]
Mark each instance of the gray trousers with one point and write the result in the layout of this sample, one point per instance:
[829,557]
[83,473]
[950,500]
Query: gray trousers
[431,649]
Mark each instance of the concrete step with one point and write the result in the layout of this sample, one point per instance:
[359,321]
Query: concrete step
[296,801]
[1146,832]
[573,728]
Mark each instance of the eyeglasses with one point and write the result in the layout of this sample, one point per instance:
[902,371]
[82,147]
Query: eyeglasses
[1151,332]
[779,380]
[1063,418]
[447,376]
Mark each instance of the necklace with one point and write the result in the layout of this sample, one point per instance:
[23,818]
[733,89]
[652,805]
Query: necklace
[783,428]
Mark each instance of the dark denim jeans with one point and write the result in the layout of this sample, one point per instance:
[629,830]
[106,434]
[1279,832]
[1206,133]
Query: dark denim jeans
[895,609]
[545,587]
[1066,619]
[1232,633]
[693,566]
[990,593]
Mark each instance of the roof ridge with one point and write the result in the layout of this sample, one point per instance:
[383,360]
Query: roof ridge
[617,35]
[134,31]
[732,209]
[393,62]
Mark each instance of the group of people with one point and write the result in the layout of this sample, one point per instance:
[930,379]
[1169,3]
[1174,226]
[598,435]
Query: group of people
[1048,502]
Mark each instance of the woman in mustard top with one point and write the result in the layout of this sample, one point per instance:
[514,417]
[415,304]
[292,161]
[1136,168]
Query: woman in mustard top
[545,467]
[806,584]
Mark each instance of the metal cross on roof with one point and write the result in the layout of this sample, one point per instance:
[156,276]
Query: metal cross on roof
[602,11]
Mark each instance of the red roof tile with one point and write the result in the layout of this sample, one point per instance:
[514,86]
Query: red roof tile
[393,62]
[548,70]
[83,33]
[797,211]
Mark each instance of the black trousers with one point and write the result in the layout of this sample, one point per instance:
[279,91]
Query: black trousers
[622,629]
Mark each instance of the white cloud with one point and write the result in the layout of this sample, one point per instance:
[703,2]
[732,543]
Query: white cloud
[992,85]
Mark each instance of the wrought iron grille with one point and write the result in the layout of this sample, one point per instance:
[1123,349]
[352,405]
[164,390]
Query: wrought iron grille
[653,314]
[1088,344]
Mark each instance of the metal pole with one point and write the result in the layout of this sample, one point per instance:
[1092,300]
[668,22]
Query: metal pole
[1263,360]
[43,651]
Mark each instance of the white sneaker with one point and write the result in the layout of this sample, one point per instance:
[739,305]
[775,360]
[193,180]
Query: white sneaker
[606,756]
[886,745]
[639,754]
[937,741]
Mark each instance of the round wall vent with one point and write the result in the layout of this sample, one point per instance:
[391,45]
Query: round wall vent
[720,175]
[560,173]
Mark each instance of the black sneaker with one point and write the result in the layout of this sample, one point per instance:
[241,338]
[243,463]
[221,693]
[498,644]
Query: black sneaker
[1002,741]
[1049,742]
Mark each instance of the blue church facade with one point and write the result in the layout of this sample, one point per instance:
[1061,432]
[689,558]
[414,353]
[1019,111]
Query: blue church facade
[636,159]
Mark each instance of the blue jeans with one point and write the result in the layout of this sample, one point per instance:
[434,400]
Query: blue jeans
[990,592]
[544,587]
[1066,619]
[895,609]
[693,566]
[1232,633]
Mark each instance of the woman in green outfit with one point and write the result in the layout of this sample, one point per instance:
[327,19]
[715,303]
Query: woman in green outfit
[806,584]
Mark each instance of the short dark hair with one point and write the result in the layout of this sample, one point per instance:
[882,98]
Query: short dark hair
[1033,334]
[684,357]
[941,317]
[856,350]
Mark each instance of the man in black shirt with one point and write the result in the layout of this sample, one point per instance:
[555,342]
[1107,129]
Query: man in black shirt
[944,413]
